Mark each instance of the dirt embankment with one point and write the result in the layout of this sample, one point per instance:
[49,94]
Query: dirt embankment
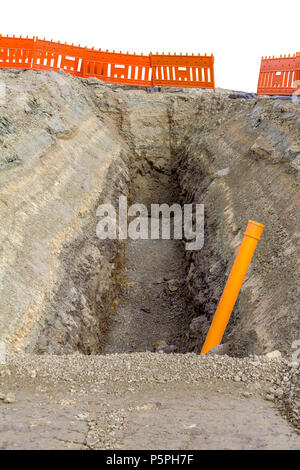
[69,144]
[240,160]
[56,277]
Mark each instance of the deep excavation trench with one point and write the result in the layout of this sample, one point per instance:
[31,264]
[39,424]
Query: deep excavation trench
[152,311]
[100,297]
[127,296]
[146,306]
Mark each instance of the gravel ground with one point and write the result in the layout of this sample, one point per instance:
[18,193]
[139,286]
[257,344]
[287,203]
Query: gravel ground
[143,400]
[151,367]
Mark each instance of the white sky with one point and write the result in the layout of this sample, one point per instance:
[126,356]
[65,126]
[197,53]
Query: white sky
[238,33]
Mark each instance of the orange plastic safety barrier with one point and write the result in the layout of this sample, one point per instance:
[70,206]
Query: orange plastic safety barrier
[16,53]
[130,69]
[297,75]
[112,67]
[183,70]
[279,75]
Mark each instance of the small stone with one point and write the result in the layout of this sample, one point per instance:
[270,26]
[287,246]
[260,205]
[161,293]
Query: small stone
[33,374]
[294,365]
[246,394]
[296,162]
[219,350]
[254,363]
[173,285]
[223,172]
[6,372]
[9,398]
[237,378]
[82,416]
[170,348]
[288,116]
[270,397]
[273,354]
[160,345]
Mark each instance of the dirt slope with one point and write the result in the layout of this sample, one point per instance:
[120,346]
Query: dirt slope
[239,161]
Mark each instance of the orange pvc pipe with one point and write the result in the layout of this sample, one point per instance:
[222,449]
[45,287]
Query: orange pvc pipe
[233,285]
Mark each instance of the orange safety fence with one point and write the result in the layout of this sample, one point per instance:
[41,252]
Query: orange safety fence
[130,69]
[279,75]
[297,75]
[112,67]
[48,55]
[174,70]
[16,52]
